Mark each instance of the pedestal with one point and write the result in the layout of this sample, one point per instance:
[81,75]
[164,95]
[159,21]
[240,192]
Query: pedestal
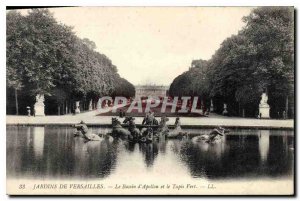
[91,105]
[39,106]
[77,110]
[225,112]
[98,106]
[201,108]
[264,111]
[211,109]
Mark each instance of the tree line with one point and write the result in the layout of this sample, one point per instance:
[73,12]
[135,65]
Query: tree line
[260,58]
[46,57]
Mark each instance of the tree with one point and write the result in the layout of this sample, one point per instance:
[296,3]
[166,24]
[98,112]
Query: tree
[191,82]
[271,32]
[124,88]
[13,70]
[14,81]
[46,57]
[260,58]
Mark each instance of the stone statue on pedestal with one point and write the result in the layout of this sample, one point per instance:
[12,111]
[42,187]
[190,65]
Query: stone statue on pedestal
[77,110]
[39,106]
[264,108]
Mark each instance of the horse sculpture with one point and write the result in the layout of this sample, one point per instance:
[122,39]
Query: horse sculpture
[163,129]
[134,131]
[118,131]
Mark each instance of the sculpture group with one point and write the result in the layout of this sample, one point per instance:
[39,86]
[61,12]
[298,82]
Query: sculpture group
[150,130]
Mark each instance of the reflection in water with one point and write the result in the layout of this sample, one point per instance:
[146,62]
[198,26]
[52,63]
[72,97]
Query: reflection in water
[202,158]
[53,152]
[149,151]
[239,156]
[28,136]
[38,141]
[280,157]
[264,143]
[162,145]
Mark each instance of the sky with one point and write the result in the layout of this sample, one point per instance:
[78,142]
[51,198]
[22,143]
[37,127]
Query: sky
[153,45]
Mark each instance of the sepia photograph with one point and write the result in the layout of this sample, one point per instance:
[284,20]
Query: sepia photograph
[150,100]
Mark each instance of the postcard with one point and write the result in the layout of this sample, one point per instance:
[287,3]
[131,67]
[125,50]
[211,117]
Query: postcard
[150,101]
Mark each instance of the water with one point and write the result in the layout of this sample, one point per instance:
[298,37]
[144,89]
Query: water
[53,153]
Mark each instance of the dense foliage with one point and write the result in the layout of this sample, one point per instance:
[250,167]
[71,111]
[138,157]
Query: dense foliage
[46,57]
[260,58]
